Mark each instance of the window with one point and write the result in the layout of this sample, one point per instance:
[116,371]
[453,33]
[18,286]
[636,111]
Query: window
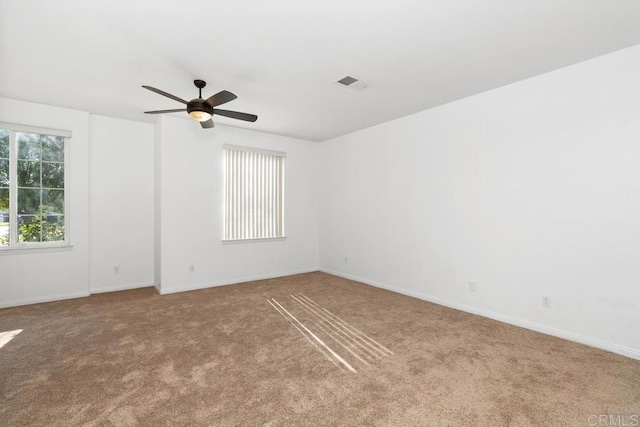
[254,194]
[32,186]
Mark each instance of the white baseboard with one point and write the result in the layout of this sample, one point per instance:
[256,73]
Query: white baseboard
[38,300]
[234,281]
[103,289]
[559,333]
[158,288]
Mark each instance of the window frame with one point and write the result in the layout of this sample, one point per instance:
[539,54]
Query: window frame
[226,198]
[27,247]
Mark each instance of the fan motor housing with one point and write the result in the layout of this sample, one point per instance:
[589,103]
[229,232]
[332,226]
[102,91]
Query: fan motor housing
[199,104]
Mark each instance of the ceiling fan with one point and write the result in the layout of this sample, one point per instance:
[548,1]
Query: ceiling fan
[201,109]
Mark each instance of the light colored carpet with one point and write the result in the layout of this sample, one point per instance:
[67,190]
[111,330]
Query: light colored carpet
[229,356]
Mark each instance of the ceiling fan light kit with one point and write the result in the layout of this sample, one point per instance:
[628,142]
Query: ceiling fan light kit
[202,110]
[200,116]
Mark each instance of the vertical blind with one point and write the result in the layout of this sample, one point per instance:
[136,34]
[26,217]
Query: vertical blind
[254,193]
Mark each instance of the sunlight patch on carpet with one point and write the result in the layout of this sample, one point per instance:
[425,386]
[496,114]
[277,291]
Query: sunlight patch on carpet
[7,336]
[331,330]
[311,334]
[324,352]
[351,329]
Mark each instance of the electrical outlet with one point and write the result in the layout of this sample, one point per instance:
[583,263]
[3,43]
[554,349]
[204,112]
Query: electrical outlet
[546,301]
[192,268]
[472,286]
[116,269]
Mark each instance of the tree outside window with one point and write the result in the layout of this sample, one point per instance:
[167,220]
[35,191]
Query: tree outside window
[37,186]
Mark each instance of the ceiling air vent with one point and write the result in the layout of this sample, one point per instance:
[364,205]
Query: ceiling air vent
[347,80]
[353,83]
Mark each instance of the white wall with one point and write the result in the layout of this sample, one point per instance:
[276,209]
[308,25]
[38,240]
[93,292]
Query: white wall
[121,202]
[114,187]
[34,277]
[191,205]
[532,189]
[157,204]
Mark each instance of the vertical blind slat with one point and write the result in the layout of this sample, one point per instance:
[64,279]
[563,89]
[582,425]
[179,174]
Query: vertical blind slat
[259,195]
[279,197]
[226,198]
[231,175]
[273,196]
[235,196]
[278,204]
[245,195]
[229,211]
[270,189]
[231,195]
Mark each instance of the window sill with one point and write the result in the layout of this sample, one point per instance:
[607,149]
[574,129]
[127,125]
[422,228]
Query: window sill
[267,239]
[26,249]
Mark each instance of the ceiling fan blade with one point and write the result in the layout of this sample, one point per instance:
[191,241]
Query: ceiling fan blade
[163,93]
[207,124]
[236,115]
[165,111]
[220,98]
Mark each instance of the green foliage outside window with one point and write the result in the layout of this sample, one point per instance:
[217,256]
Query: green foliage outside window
[42,228]
[38,186]
[4,187]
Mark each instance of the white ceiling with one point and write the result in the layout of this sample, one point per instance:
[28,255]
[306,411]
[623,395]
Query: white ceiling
[281,57]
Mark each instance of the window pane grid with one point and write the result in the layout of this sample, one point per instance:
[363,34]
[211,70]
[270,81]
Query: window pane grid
[253,194]
[32,183]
